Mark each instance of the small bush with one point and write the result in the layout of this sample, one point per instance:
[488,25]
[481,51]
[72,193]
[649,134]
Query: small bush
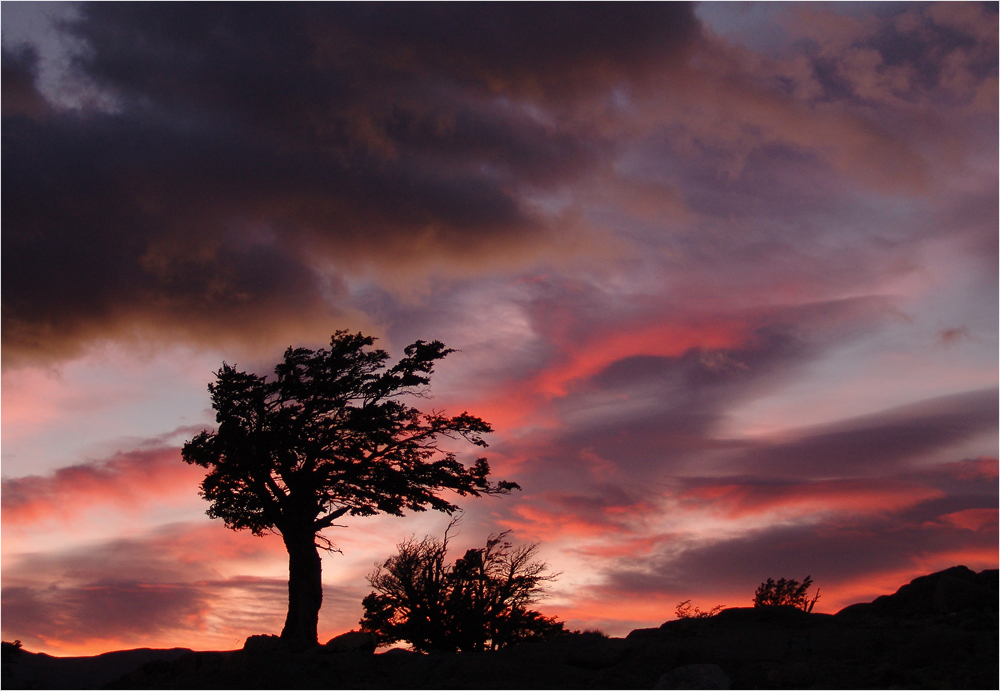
[685,610]
[773,593]
[478,603]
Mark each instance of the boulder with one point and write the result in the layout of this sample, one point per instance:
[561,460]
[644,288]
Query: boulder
[703,676]
[953,594]
[596,654]
[785,616]
[264,643]
[358,641]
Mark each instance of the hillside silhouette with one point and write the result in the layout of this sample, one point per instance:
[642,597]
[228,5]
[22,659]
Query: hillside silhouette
[938,631]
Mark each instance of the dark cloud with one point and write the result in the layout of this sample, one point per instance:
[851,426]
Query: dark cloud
[161,584]
[241,159]
[638,430]
[654,416]
[837,544]
[19,71]
[832,553]
[255,151]
[952,336]
[161,587]
[678,435]
[129,611]
[929,43]
[277,59]
[110,591]
[879,443]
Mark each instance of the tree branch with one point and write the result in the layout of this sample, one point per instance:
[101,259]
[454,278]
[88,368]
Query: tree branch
[328,520]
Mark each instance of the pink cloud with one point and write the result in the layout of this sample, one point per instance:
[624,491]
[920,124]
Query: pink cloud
[737,500]
[580,350]
[982,467]
[540,524]
[972,519]
[670,339]
[185,585]
[129,481]
[617,615]
[607,513]
[626,546]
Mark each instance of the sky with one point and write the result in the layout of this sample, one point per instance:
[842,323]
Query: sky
[723,278]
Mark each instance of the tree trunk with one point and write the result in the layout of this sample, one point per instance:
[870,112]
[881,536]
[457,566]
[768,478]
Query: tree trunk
[305,589]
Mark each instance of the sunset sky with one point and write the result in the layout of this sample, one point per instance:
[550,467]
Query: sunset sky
[723,277]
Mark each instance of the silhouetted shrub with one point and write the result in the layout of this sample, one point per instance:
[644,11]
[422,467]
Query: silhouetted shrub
[685,610]
[479,603]
[11,651]
[782,592]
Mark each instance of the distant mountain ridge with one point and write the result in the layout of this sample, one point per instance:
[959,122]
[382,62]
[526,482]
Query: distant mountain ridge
[40,671]
[938,631]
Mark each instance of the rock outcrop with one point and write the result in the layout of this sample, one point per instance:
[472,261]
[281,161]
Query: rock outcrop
[352,641]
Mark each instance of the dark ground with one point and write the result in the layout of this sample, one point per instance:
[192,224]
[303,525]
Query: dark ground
[25,670]
[939,631]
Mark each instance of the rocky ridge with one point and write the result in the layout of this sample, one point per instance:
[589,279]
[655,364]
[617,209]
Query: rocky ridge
[939,631]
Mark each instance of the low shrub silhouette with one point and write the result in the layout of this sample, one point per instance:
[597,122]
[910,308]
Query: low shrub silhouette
[685,610]
[11,651]
[771,594]
[478,603]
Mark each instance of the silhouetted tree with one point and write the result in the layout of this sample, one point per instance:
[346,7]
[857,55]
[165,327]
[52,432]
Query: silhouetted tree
[329,437]
[685,610]
[790,592]
[479,603]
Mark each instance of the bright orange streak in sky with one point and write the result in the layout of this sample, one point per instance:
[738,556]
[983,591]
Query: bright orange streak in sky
[855,496]
[660,340]
[520,404]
